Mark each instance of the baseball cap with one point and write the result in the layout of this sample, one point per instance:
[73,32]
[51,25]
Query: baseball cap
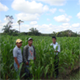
[18,40]
[30,39]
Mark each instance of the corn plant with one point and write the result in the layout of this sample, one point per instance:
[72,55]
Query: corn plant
[43,67]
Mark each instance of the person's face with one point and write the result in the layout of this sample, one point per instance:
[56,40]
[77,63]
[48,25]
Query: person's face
[19,44]
[30,42]
[54,40]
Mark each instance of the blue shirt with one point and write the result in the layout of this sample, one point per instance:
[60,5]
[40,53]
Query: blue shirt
[17,53]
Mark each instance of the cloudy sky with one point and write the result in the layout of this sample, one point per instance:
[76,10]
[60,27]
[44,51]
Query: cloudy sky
[45,15]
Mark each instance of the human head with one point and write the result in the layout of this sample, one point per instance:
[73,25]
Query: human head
[30,41]
[19,43]
[54,39]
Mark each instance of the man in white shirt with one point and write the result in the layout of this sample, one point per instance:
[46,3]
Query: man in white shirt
[56,47]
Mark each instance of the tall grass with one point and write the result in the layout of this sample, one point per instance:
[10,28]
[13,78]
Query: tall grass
[43,67]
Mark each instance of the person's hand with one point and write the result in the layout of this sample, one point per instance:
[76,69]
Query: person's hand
[34,58]
[27,63]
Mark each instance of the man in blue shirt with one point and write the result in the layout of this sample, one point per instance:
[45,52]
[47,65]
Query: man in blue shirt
[17,54]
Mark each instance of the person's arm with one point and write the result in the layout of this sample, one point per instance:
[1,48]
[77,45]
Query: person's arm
[58,48]
[34,53]
[25,55]
[15,57]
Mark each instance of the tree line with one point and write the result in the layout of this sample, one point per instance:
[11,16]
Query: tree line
[33,31]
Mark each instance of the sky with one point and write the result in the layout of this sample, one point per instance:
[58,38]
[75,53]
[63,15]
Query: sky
[44,15]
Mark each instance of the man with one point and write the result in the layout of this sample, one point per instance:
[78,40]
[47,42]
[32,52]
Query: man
[17,54]
[56,47]
[28,54]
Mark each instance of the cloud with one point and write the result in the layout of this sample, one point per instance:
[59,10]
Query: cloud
[62,18]
[29,7]
[44,28]
[3,7]
[27,17]
[53,10]
[76,25]
[79,1]
[33,23]
[54,2]
[65,24]
[49,28]
[45,8]
[61,10]
[6,20]
[0,21]
[48,19]
[1,26]
[78,15]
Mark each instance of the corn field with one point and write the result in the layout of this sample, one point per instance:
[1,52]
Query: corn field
[43,67]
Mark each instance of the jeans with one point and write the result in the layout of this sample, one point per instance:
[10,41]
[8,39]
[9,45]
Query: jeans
[16,67]
[27,70]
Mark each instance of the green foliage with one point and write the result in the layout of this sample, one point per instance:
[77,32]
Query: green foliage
[44,63]
[34,31]
[6,29]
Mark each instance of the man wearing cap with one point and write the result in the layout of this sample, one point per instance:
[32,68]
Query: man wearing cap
[28,54]
[17,54]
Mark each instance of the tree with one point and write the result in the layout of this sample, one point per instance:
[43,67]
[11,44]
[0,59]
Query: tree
[34,31]
[54,33]
[8,25]
[19,22]
[6,28]
[9,18]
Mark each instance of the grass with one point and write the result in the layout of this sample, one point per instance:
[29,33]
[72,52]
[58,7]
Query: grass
[75,76]
[44,59]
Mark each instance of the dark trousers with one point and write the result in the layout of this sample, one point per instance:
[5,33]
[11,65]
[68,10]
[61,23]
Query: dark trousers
[27,70]
[56,62]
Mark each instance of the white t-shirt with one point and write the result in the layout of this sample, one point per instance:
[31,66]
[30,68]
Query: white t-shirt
[56,45]
[30,53]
